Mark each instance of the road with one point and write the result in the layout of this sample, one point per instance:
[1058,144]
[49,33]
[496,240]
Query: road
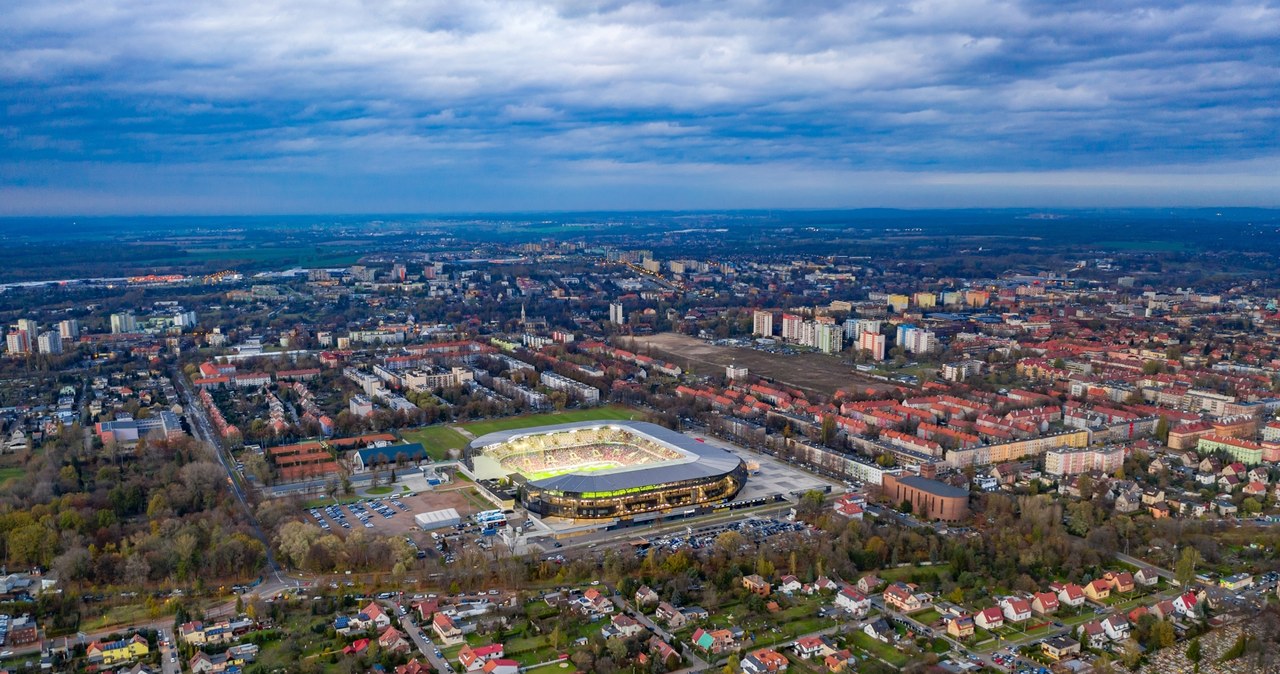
[425,646]
[204,431]
[695,663]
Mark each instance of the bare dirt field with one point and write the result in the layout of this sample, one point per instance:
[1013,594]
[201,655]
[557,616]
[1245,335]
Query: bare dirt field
[817,372]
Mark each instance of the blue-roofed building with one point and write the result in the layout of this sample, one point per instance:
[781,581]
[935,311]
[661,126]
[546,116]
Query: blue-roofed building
[388,455]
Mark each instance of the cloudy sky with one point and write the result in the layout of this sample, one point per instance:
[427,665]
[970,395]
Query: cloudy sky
[322,106]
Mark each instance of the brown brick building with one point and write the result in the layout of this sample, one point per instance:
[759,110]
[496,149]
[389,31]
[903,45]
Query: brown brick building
[930,499]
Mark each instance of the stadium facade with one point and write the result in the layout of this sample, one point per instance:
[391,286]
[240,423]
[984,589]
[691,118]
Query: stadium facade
[607,469]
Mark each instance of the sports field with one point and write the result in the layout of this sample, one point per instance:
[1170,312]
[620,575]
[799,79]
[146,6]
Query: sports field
[607,412]
[437,440]
[584,468]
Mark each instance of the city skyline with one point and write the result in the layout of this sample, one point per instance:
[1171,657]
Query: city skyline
[285,108]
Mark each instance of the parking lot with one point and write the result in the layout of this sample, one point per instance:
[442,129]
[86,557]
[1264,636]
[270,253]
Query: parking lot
[362,514]
[752,529]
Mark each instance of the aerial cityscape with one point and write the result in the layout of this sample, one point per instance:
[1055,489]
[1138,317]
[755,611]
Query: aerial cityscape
[640,337]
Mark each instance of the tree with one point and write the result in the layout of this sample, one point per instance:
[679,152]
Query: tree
[1162,430]
[1185,571]
[905,507]
[1193,652]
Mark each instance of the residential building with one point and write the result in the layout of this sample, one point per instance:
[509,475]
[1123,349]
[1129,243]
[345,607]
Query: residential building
[124,323]
[762,323]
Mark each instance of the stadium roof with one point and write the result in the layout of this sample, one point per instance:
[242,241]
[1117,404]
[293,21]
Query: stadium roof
[701,460]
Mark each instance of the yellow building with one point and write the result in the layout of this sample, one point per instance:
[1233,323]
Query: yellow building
[899,303]
[926,300]
[115,652]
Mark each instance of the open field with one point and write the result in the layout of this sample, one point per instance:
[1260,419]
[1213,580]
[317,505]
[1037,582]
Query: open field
[531,420]
[437,440]
[817,372]
[10,473]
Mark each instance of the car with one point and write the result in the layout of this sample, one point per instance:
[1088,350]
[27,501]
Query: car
[5,654]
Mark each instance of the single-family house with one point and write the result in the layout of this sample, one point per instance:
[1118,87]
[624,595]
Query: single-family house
[853,602]
[1016,609]
[764,661]
[989,618]
[1060,647]
[1097,590]
[960,627]
[756,585]
[1044,603]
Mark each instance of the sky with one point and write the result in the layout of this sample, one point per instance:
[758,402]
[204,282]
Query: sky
[350,106]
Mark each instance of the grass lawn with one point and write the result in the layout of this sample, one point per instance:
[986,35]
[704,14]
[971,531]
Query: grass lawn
[377,491]
[880,649]
[117,615]
[590,414]
[927,617]
[437,440]
[11,473]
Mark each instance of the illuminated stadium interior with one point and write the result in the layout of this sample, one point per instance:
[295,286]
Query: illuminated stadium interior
[595,470]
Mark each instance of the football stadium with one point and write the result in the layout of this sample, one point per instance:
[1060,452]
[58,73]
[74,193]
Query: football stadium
[606,469]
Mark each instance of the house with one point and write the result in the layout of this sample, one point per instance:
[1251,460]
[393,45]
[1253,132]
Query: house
[1016,609]
[645,596]
[989,618]
[824,584]
[1136,614]
[1187,605]
[663,650]
[693,613]
[1128,502]
[713,641]
[814,647]
[868,583]
[756,585]
[356,647]
[203,663]
[838,662]
[473,658]
[1121,582]
[1097,590]
[501,666]
[853,602]
[1060,647]
[789,584]
[622,626]
[1255,488]
[1116,627]
[110,653]
[1044,603]
[879,630]
[1146,577]
[445,628]
[1225,508]
[1071,595]
[393,640]
[1164,610]
[1160,510]
[415,667]
[670,615]
[1259,474]
[764,661]
[903,597]
[371,617]
[1092,634]
[342,625]
[960,627]
[593,601]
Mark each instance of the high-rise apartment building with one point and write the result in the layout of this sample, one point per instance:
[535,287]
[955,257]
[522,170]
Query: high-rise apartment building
[873,342]
[50,342]
[69,329]
[616,315]
[762,323]
[124,323]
